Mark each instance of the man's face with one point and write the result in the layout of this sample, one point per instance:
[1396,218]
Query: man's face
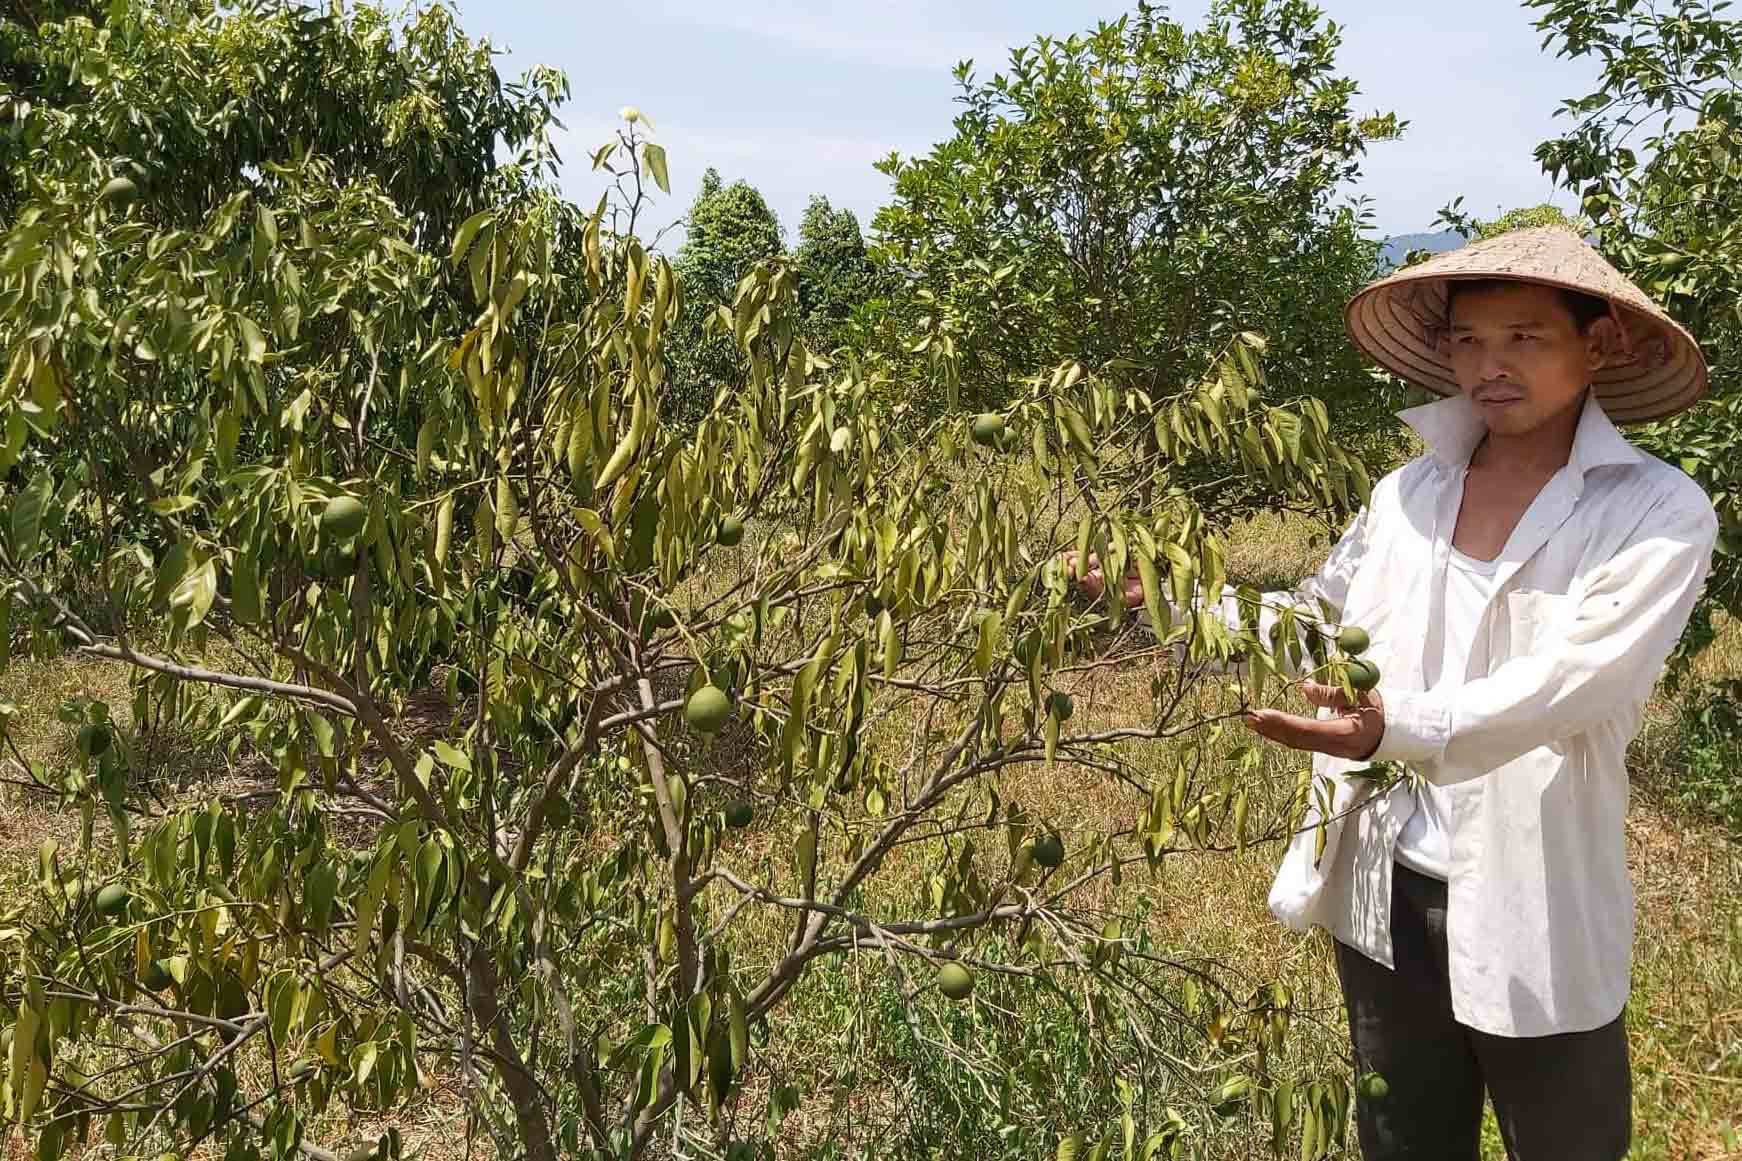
[1518,355]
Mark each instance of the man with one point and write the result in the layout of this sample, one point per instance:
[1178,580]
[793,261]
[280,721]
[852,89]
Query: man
[1522,584]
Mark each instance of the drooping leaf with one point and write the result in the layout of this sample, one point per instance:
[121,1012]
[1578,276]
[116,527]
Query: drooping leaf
[466,234]
[29,509]
[655,157]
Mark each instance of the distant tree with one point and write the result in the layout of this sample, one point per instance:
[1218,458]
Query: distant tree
[729,230]
[1523,218]
[836,274]
[1130,195]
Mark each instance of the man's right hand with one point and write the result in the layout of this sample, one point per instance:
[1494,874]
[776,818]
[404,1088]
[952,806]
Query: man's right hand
[1092,583]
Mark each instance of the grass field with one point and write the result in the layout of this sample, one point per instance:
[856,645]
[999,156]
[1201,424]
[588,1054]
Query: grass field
[865,1063]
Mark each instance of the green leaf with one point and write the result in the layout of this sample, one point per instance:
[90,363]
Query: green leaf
[991,631]
[425,446]
[1281,1115]
[889,642]
[467,233]
[171,505]
[225,435]
[281,1004]
[245,600]
[322,729]
[196,590]
[507,510]
[28,511]
[655,157]
[253,342]
[244,709]
[1159,620]
[428,871]
[739,1030]
[318,893]
[647,1089]
[363,1060]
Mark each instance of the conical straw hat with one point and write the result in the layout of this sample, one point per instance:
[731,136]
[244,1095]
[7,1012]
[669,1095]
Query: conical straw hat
[1655,370]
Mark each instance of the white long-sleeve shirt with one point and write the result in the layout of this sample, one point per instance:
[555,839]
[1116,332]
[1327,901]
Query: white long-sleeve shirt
[1593,590]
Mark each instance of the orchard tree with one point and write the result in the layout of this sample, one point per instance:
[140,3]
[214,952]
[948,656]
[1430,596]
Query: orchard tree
[1653,156]
[585,742]
[728,231]
[837,278]
[1132,197]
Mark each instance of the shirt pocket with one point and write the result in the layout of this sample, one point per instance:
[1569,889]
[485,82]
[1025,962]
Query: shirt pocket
[1534,619]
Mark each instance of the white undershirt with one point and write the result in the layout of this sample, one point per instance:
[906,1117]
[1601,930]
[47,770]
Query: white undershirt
[1455,648]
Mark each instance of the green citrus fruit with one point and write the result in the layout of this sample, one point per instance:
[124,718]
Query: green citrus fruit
[955,981]
[1373,1087]
[1353,640]
[739,813]
[119,189]
[301,1069]
[156,977]
[1060,706]
[988,429]
[1049,850]
[707,709]
[112,900]
[1363,674]
[343,518]
[730,532]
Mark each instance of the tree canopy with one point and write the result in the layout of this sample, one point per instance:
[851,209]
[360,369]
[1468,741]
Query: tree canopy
[1128,195]
[837,278]
[729,230]
[1652,155]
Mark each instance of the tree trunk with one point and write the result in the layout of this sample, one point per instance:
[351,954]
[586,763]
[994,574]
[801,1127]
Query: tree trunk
[523,1089]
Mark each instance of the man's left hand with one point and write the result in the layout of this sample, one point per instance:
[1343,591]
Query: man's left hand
[1353,733]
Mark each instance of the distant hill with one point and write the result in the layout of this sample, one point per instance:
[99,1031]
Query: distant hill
[1397,247]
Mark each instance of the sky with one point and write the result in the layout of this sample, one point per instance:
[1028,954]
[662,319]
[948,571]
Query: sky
[801,97]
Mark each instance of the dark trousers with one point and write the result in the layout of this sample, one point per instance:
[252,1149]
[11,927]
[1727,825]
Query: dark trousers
[1563,1097]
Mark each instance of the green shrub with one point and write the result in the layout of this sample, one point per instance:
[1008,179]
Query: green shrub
[1706,771]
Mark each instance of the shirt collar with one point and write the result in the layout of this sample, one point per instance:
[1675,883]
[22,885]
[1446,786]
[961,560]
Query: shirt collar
[1451,428]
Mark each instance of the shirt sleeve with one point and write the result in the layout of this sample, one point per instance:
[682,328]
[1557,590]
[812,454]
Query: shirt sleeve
[1320,595]
[1608,652]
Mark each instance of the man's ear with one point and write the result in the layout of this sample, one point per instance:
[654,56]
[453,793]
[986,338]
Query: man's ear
[1603,339]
